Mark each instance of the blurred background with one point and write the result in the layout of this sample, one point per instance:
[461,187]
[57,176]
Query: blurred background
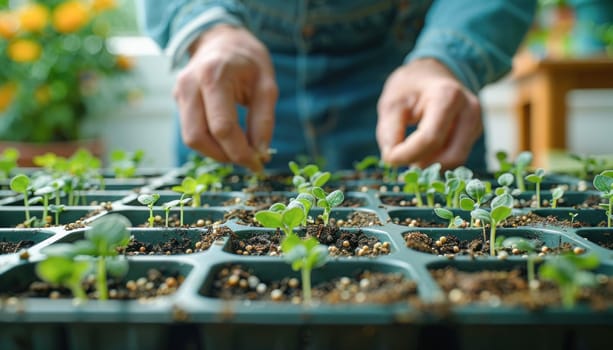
[125,99]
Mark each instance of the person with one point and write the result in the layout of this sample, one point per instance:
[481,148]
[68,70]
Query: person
[337,80]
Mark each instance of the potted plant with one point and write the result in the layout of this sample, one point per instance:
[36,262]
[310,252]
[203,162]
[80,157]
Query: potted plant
[56,72]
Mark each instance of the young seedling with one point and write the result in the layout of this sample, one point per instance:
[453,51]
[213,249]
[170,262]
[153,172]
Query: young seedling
[411,184]
[8,162]
[501,208]
[505,181]
[308,177]
[571,273]
[43,194]
[21,184]
[169,205]
[390,172]
[190,187]
[149,200]
[429,180]
[366,163]
[61,269]
[307,200]
[590,165]
[536,179]
[125,164]
[522,162]
[556,194]
[327,201]
[304,256]
[455,184]
[603,182]
[455,221]
[529,247]
[573,216]
[57,209]
[107,235]
[475,196]
[283,217]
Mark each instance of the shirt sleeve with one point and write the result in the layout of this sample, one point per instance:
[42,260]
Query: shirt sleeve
[174,25]
[476,40]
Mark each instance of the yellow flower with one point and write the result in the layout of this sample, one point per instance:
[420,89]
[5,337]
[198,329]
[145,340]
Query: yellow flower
[124,62]
[70,16]
[8,25]
[33,17]
[7,93]
[42,94]
[103,5]
[24,50]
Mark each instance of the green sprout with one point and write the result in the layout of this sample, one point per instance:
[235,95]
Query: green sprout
[505,181]
[455,221]
[327,201]
[528,246]
[125,164]
[573,216]
[603,182]
[536,178]
[171,204]
[590,165]
[518,168]
[571,273]
[366,163]
[307,200]
[476,195]
[20,183]
[308,177]
[501,208]
[411,184]
[57,209]
[556,194]
[455,184]
[429,181]
[390,172]
[190,187]
[104,239]
[60,268]
[304,255]
[8,162]
[285,217]
[149,200]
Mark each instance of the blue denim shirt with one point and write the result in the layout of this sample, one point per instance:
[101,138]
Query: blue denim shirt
[331,58]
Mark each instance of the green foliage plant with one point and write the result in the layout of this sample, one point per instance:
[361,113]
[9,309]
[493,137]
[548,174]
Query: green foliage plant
[8,162]
[556,194]
[20,183]
[285,217]
[455,221]
[327,201]
[366,163]
[307,177]
[603,182]
[61,269]
[171,204]
[307,200]
[518,168]
[475,195]
[530,248]
[149,200]
[124,163]
[107,235]
[304,255]
[571,273]
[537,178]
[501,208]
[190,187]
[410,179]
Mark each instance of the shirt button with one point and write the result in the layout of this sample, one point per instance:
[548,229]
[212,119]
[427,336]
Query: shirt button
[308,31]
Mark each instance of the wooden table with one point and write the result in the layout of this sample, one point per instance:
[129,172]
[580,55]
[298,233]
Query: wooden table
[542,86]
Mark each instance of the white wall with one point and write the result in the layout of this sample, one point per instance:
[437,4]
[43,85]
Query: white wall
[148,123]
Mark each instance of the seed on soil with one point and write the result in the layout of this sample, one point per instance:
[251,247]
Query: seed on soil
[200,223]
[293,283]
[253,281]
[503,255]
[276,295]
[261,288]
[578,250]
[233,280]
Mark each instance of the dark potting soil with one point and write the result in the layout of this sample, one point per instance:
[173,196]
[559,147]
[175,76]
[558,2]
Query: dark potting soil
[450,246]
[14,247]
[511,288]
[237,283]
[340,242]
[154,284]
[180,244]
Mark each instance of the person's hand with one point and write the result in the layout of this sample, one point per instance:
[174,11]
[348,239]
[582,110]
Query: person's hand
[448,116]
[228,66]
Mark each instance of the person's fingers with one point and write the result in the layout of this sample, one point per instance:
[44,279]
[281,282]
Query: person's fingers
[194,129]
[393,119]
[261,116]
[433,129]
[220,109]
[464,134]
